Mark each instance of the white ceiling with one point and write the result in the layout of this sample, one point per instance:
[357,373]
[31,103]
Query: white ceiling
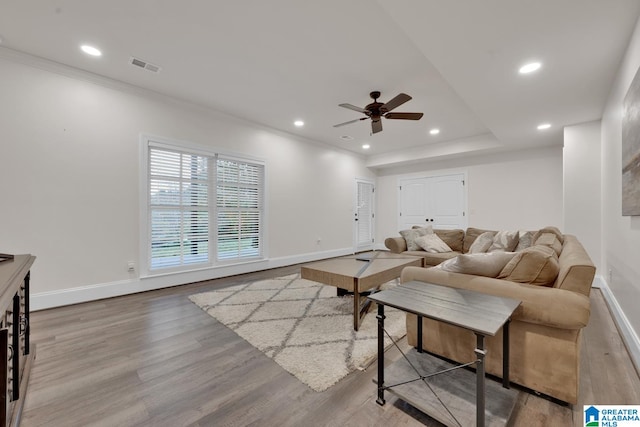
[276,61]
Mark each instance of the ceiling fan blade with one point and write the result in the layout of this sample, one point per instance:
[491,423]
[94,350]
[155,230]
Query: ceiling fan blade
[376,126]
[353,107]
[397,101]
[404,116]
[350,121]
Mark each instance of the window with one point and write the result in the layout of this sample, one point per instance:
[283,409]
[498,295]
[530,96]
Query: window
[203,209]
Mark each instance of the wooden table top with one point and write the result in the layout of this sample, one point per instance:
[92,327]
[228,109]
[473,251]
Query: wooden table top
[363,265]
[475,311]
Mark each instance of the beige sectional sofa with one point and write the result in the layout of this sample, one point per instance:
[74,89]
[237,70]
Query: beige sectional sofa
[545,330]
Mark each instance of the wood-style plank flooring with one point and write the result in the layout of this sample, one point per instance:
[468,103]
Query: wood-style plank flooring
[156,359]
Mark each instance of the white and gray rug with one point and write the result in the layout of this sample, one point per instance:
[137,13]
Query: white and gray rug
[302,325]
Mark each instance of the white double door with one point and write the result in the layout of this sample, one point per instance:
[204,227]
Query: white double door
[439,201]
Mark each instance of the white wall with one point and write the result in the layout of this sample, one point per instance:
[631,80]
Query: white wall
[582,177]
[69,170]
[506,191]
[620,234]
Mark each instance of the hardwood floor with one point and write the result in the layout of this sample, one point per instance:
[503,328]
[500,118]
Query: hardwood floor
[156,359]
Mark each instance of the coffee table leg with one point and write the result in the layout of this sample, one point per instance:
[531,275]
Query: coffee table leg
[480,389]
[419,325]
[356,305]
[380,400]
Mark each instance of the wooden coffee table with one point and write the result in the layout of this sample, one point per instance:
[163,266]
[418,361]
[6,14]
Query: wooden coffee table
[359,273]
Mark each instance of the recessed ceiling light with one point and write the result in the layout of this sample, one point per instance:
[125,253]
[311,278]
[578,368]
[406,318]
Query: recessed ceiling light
[90,50]
[544,126]
[298,123]
[434,131]
[346,138]
[366,146]
[530,67]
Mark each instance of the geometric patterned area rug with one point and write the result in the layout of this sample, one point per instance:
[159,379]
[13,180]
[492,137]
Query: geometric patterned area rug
[302,325]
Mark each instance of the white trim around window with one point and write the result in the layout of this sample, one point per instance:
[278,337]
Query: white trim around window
[200,208]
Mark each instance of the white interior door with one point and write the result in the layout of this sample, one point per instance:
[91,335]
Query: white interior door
[439,201]
[364,215]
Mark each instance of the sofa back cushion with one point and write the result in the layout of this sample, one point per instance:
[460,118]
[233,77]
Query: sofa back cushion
[470,236]
[551,240]
[549,229]
[453,238]
[537,265]
[488,264]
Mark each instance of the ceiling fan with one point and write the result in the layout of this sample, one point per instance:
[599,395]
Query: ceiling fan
[376,110]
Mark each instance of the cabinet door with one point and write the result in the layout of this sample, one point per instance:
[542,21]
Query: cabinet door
[438,201]
[413,203]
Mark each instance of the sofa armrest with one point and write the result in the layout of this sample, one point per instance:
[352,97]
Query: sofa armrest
[396,244]
[552,307]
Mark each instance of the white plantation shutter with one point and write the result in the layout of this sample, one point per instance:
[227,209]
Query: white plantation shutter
[239,209]
[200,203]
[179,207]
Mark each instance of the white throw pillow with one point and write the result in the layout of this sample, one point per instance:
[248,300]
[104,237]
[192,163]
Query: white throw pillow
[432,243]
[482,243]
[412,234]
[524,240]
[488,264]
[505,241]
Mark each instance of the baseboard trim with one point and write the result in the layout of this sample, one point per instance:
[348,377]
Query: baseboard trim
[598,282]
[77,295]
[627,332]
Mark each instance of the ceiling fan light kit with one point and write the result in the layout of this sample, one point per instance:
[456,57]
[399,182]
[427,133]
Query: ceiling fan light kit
[377,110]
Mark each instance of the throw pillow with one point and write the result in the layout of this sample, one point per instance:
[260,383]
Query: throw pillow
[470,236]
[432,243]
[537,265]
[550,240]
[524,240]
[411,235]
[504,241]
[482,242]
[488,264]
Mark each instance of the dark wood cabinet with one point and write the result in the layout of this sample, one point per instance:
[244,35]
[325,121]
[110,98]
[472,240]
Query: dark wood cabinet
[16,351]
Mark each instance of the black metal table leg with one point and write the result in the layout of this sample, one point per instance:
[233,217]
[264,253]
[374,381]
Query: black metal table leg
[480,388]
[380,400]
[505,355]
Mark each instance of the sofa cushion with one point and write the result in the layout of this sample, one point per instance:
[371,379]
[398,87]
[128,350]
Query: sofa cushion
[504,241]
[551,240]
[536,265]
[431,259]
[482,243]
[432,243]
[488,264]
[525,240]
[453,238]
[411,235]
[470,236]
[549,229]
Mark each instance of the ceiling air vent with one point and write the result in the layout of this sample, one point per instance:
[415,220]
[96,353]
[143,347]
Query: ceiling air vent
[144,64]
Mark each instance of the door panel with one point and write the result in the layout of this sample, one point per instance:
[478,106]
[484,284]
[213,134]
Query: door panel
[438,201]
[413,203]
[364,216]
